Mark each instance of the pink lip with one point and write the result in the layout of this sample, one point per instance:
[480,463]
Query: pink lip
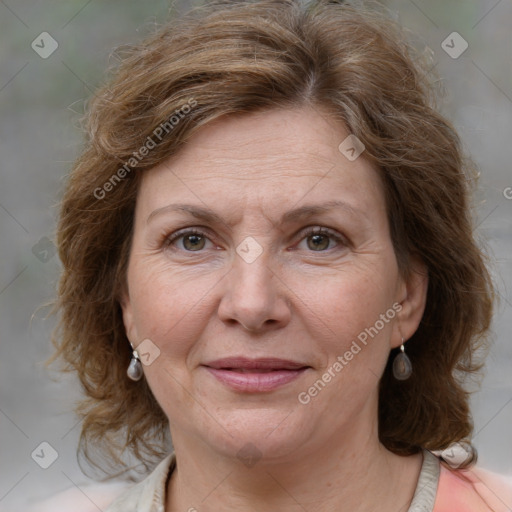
[255,375]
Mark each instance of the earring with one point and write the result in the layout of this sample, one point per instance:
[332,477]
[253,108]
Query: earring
[402,367]
[135,371]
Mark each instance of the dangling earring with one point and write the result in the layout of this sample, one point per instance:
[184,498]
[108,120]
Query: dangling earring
[135,371]
[402,367]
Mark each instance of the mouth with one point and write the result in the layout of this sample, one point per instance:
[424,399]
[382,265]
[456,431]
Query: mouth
[255,375]
[266,364]
[252,370]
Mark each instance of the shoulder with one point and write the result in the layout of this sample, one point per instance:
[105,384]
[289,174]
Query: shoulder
[473,490]
[112,497]
[149,494]
[87,498]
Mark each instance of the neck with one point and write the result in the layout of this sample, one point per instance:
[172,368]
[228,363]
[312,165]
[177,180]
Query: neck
[331,477]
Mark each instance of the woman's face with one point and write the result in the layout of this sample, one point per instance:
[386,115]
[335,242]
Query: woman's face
[259,334]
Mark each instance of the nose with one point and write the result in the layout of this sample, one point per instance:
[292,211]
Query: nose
[255,296]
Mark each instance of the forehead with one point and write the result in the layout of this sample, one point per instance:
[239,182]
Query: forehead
[267,160]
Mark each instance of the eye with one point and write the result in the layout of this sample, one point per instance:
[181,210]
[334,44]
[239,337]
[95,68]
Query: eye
[319,239]
[193,240]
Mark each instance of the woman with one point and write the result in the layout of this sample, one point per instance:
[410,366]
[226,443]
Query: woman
[268,257]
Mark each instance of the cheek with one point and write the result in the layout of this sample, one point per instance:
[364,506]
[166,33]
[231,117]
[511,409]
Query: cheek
[172,307]
[356,324]
[354,300]
[357,313]
[168,307]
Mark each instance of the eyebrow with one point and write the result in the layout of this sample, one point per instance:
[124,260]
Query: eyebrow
[297,214]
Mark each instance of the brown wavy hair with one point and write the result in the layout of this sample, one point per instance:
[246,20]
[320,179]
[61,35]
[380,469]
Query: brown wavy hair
[234,57]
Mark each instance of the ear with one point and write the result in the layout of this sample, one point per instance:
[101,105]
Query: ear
[412,297]
[128,318]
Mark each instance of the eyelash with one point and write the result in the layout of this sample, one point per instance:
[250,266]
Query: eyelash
[308,232]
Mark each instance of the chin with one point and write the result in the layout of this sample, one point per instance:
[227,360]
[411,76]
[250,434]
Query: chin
[268,434]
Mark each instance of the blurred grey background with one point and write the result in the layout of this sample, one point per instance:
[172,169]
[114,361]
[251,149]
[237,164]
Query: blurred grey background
[41,98]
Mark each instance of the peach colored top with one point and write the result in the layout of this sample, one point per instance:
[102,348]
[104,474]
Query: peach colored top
[473,490]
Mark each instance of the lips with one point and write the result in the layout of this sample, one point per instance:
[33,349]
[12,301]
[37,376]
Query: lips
[255,375]
[261,364]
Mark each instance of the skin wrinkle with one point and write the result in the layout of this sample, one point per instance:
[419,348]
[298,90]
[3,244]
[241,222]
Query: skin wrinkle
[386,96]
[296,304]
